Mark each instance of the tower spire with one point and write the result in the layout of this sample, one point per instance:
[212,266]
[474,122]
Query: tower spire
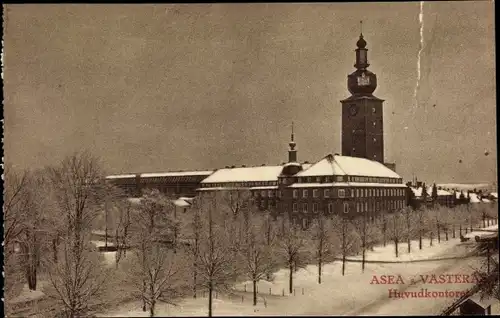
[292,152]
[361,28]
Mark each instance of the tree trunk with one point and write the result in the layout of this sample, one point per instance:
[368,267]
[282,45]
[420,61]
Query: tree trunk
[396,243]
[432,236]
[290,279]
[453,229]
[195,272]
[439,232]
[420,238]
[460,230]
[363,260]
[319,271]
[152,308]
[54,250]
[143,297]
[210,300]
[254,292]
[343,264]
[446,234]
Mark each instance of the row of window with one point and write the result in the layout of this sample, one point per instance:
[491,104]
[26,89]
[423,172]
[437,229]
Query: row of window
[315,207]
[374,180]
[328,179]
[376,205]
[360,206]
[360,193]
[238,184]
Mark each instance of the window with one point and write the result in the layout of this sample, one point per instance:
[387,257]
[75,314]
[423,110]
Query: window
[304,223]
[295,207]
[318,179]
[369,192]
[357,193]
[346,207]
[270,193]
[315,193]
[309,179]
[304,207]
[330,207]
[304,193]
[373,110]
[374,124]
[315,208]
[263,194]
[295,193]
[366,206]
[326,193]
[279,194]
[340,178]
[341,193]
[358,209]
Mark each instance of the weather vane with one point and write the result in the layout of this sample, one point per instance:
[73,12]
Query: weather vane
[361,26]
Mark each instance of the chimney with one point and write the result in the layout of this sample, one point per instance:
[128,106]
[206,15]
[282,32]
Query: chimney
[262,165]
[232,167]
[243,166]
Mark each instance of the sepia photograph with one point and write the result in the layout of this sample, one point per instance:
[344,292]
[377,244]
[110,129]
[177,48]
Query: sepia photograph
[250,159]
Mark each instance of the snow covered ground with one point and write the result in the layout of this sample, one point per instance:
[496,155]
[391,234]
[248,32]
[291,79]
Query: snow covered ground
[354,293]
[30,295]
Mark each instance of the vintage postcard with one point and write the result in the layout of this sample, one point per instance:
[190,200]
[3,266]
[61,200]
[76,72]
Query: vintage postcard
[255,159]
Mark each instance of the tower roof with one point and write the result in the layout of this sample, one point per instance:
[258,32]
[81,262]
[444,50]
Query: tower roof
[361,42]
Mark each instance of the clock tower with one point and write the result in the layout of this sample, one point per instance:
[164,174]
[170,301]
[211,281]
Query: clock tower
[362,113]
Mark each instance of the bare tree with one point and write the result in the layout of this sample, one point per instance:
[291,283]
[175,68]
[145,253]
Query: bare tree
[291,243]
[396,229]
[325,241]
[256,252]
[155,271]
[408,213]
[15,184]
[195,237]
[216,254]
[77,279]
[152,224]
[350,238]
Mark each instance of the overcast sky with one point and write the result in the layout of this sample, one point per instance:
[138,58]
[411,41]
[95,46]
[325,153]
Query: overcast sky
[164,87]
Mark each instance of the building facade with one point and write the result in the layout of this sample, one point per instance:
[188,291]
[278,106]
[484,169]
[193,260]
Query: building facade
[356,183]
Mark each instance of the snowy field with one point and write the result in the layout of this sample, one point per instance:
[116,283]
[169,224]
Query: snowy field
[355,293]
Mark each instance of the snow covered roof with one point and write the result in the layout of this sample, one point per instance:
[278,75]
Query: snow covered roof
[264,188]
[440,192]
[352,166]
[324,167]
[176,174]
[181,203]
[474,198]
[245,174]
[319,185]
[484,303]
[121,176]
[347,184]
[494,194]
[486,200]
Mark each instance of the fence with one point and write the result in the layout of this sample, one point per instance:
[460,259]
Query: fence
[245,293]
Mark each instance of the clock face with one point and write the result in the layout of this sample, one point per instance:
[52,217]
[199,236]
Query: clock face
[363,80]
[353,110]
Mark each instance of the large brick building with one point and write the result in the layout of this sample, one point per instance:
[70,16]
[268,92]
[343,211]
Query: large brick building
[358,182]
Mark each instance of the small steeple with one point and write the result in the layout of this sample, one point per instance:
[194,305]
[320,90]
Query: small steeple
[361,51]
[292,152]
